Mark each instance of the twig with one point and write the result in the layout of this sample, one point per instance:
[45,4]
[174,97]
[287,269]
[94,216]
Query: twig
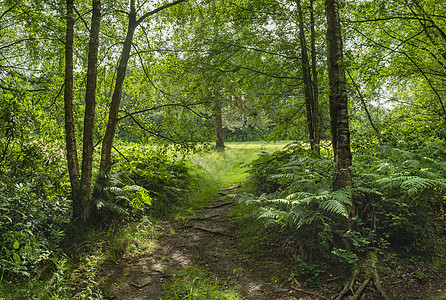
[396,282]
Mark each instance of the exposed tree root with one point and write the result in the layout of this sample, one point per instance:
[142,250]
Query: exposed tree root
[371,274]
[218,206]
[207,230]
[204,219]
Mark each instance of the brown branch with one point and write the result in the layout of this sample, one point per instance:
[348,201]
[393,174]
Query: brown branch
[369,117]
[261,50]
[413,62]
[266,74]
[150,13]
[81,18]
[120,153]
[8,10]
[150,131]
[389,19]
[166,105]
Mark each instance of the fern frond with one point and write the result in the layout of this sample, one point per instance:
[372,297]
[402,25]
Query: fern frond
[274,216]
[426,173]
[303,217]
[334,206]
[343,195]
[287,176]
[110,206]
[364,190]
[114,190]
[416,185]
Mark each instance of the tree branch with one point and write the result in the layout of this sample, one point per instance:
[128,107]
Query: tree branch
[149,131]
[150,13]
[166,105]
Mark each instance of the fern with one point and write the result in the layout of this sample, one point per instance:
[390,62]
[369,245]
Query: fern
[112,195]
[412,184]
[303,208]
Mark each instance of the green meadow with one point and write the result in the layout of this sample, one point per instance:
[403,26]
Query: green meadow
[229,166]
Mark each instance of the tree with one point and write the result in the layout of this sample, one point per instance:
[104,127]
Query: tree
[401,65]
[310,84]
[81,185]
[81,181]
[133,23]
[340,131]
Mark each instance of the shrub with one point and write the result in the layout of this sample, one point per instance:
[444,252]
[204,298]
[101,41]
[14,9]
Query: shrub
[398,197]
[166,179]
[34,211]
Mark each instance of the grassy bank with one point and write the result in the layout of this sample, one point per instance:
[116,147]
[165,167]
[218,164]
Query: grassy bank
[227,167]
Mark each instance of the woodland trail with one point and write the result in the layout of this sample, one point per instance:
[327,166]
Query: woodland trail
[208,241]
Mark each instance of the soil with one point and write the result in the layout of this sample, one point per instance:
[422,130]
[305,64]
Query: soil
[210,241]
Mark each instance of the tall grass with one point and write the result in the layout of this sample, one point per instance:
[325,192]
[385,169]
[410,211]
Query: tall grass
[228,166]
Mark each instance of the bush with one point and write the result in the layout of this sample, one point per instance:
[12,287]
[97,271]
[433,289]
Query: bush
[398,197]
[167,180]
[34,211]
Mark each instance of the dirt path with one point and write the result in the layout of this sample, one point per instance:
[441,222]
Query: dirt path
[208,241]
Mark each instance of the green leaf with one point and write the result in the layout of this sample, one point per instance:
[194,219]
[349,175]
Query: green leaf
[16,245]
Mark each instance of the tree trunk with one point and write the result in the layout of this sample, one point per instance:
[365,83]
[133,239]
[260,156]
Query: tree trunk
[89,116]
[308,85]
[317,139]
[107,142]
[219,141]
[338,100]
[70,132]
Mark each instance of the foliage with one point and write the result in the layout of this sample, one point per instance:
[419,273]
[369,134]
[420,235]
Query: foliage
[34,211]
[112,196]
[398,196]
[194,283]
[167,180]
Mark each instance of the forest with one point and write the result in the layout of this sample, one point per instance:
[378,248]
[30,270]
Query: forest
[222,149]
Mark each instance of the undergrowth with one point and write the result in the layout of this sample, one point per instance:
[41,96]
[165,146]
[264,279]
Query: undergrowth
[398,195]
[43,257]
[195,283]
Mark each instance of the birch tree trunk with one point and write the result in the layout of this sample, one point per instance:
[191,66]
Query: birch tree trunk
[107,142]
[338,100]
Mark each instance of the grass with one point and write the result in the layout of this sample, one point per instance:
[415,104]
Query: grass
[227,167]
[194,283]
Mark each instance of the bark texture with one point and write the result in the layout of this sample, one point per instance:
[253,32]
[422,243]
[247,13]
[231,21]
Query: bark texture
[338,99]
[219,141]
[107,142]
[70,132]
[89,116]
[308,85]
[317,138]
